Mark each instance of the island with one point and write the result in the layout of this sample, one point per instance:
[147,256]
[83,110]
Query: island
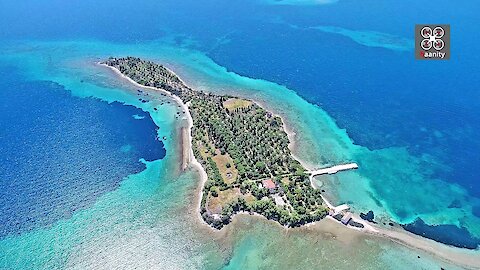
[242,153]
[243,149]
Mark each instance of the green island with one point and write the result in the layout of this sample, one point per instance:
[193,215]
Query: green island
[244,150]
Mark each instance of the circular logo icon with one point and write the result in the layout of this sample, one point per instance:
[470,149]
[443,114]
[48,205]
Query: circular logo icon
[426,32]
[426,44]
[438,32]
[438,44]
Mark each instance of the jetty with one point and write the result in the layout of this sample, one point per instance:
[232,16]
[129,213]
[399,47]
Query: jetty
[334,169]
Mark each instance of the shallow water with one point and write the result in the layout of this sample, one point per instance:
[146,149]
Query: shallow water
[417,151]
[148,221]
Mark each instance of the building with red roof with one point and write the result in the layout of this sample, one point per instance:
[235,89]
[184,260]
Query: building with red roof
[268,183]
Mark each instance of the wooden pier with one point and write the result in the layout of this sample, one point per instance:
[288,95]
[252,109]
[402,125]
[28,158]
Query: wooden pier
[334,169]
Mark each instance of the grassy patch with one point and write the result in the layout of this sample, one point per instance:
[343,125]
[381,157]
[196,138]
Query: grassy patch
[249,198]
[215,204]
[206,148]
[235,103]
[286,180]
[229,175]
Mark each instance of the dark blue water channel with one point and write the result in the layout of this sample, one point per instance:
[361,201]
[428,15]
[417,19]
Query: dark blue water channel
[58,153]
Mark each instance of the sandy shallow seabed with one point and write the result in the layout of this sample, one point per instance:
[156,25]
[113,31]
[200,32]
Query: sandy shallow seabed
[186,141]
[461,257]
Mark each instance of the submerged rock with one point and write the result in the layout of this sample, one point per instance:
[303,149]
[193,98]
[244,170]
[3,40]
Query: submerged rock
[455,204]
[444,233]
[476,211]
[369,216]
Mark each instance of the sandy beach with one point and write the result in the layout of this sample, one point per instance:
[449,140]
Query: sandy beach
[186,136]
[185,153]
[462,257]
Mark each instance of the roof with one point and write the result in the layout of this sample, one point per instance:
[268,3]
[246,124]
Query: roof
[268,183]
[346,218]
[278,200]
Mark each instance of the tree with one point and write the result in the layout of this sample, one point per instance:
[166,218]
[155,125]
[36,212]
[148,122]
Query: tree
[260,166]
[319,214]
[294,219]
[214,192]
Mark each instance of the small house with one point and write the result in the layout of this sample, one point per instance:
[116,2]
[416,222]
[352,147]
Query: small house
[270,185]
[346,218]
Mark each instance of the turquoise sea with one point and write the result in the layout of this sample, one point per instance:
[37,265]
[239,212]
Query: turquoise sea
[90,175]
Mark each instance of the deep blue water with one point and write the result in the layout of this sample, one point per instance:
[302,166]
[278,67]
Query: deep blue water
[351,81]
[58,153]
[383,97]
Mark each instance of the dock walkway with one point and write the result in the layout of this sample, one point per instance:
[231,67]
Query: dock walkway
[334,169]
